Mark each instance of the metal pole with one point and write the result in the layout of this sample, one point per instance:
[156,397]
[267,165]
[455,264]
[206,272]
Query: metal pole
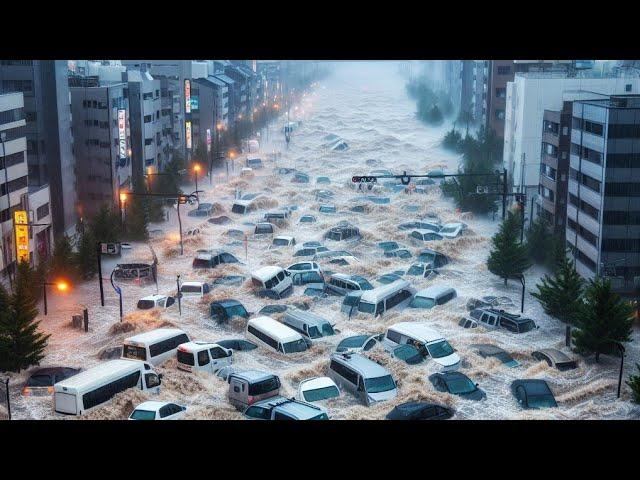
[99,252]
[531,213]
[522,207]
[197,194]
[44,294]
[6,387]
[179,295]
[522,298]
[621,348]
[504,193]
[180,226]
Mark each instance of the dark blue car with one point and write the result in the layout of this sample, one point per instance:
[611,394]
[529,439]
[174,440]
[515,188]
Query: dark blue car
[457,383]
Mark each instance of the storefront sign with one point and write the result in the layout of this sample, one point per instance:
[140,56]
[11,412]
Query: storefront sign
[122,132]
[187,126]
[21,221]
[187,96]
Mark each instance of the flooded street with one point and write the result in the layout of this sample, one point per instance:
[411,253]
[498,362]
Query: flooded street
[366,104]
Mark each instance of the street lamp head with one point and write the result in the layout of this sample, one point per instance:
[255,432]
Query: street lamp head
[123,197]
[196,168]
[62,286]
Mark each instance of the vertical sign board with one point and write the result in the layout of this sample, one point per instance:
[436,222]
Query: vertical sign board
[187,96]
[122,133]
[208,140]
[22,235]
[195,103]
[187,126]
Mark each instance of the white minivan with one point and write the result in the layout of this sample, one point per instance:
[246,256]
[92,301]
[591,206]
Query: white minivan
[427,340]
[395,295]
[205,357]
[155,346]
[274,279]
[272,334]
[93,387]
[194,289]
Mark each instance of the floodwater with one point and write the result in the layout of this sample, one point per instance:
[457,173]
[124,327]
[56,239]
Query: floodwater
[366,104]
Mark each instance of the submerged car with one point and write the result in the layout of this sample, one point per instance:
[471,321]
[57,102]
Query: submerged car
[421,270]
[42,380]
[358,343]
[237,344]
[307,219]
[533,393]
[457,383]
[223,310]
[487,350]
[399,253]
[407,353]
[388,278]
[555,358]
[420,411]
[317,389]
[281,408]
[153,410]
[323,180]
[452,230]
[327,209]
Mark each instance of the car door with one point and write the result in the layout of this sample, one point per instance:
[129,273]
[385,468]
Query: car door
[219,358]
[256,412]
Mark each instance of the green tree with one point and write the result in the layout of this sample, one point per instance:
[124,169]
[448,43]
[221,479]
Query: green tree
[63,260]
[634,383]
[539,240]
[603,320]
[508,257]
[23,342]
[105,225]
[452,140]
[561,295]
[558,253]
[137,218]
[87,257]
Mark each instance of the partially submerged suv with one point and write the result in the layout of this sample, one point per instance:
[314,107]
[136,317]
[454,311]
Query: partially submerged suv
[494,318]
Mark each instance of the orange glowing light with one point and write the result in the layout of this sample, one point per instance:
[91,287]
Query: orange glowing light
[123,197]
[196,168]
[62,286]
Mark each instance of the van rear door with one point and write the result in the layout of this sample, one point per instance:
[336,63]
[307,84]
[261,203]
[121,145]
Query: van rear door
[65,403]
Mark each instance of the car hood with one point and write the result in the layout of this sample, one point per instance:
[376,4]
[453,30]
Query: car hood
[450,362]
[379,397]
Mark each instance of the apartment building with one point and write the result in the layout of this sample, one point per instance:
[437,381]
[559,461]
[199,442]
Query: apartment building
[528,96]
[603,211]
[48,132]
[101,117]
[16,193]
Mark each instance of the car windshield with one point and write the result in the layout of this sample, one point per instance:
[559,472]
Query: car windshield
[201,263]
[190,288]
[526,326]
[440,349]
[307,219]
[409,354]
[415,270]
[379,384]
[426,257]
[146,304]
[366,307]
[541,401]
[352,342]
[364,284]
[403,254]
[320,393]
[504,357]
[422,302]
[280,242]
[313,332]
[460,385]
[322,416]
[238,208]
[295,346]
[388,245]
[236,310]
[327,330]
[143,415]
[273,309]
[448,229]
[327,209]
[40,381]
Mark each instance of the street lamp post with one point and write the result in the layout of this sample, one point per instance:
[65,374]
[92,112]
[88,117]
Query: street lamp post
[622,350]
[99,255]
[196,169]
[123,207]
[62,287]
[179,295]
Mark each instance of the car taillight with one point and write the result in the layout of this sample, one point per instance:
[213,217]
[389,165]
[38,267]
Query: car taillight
[49,389]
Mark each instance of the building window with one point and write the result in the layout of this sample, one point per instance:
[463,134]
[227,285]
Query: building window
[586,180]
[148,118]
[550,127]
[12,159]
[622,189]
[550,150]
[621,244]
[627,87]
[584,259]
[501,93]
[624,131]
[546,193]
[499,114]
[548,171]
[17,184]
[42,211]
[621,217]
[594,128]
[13,115]
[504,69]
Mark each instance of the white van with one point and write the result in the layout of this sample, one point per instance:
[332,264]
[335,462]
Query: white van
[270,333]
[194,289]
[210,356]
[254,161]
[364,378]
[154,346]
[427,340]
[396,295]
[93,387]
[275,279]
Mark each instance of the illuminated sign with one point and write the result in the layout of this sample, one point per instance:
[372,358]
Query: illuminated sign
[187,126]
[122,132]
[22,235]
[187,96]
[208,139]
[195,104]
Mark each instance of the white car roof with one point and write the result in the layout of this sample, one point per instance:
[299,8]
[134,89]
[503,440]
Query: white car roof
[452,225]
[151,405]
[316,383]
[374,296]
[196,346]
[420,330]
[154,297]
[285,334]
[265,273]
[191,284]
[285,237]
[155,335]
[247,169]
[423,231]
[112,369]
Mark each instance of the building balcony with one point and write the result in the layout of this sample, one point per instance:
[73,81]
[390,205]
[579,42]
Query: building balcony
[548,182]
[550,160]
[552,138]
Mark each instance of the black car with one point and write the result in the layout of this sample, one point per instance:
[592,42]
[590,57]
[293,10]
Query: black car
[42,380]
[533,394]
[457,383]
[420,411]
[223,310]
[237,344]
